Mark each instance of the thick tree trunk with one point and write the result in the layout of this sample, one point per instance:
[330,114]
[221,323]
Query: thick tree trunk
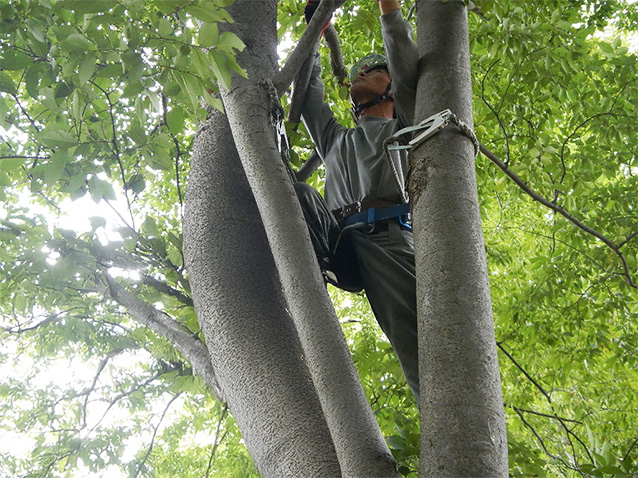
[251,340]
[463,426]
[355,433]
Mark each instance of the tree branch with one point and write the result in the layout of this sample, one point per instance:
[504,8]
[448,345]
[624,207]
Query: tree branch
[191,347]
[554,207]
[300,86]
[309,167]
[166,289]
[519,366]
[304,48]
[336,57]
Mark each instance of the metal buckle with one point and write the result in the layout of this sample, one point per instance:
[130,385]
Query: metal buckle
[434,124]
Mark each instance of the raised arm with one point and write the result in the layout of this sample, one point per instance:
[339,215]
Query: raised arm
[316,114]
[403,58]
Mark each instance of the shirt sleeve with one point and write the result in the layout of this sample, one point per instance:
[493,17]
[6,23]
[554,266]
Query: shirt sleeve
[316,114]
[403,59]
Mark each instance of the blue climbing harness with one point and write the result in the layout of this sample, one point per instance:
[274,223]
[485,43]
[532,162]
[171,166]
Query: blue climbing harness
[376,214]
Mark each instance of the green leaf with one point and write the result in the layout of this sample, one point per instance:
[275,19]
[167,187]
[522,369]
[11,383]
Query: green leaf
[158,158]
[54,137]
[77,41]
[100,189]
[136,183]
[54,169]
[201,62]
[229,40]
[87,68]
[202,14]
[97,221]
[208,35]
[15,60]
[63,90]
[6,84]
[84,6]
[220,66]
[175,119]
[149,227]
[32,80]
[8,164]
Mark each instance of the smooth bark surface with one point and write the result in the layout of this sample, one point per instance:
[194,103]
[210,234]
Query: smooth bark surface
[463,425]
[240,307]
[356,436]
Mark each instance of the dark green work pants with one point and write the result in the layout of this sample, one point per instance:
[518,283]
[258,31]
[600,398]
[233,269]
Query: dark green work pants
[383,253]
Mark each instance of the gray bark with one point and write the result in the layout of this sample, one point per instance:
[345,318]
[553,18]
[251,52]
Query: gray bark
[356,436]
[463,426]
[240,307]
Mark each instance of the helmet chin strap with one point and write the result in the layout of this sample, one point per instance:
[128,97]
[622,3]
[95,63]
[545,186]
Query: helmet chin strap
[358,109]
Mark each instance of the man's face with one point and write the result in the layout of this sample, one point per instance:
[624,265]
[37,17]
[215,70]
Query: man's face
[368,85]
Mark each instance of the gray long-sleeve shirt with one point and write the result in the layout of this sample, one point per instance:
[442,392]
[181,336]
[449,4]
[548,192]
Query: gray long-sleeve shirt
[357,168]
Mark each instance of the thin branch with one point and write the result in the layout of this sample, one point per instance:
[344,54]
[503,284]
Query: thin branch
[304,48]
[561,420]
[100,369]
[542,443]
[166,289]
[546,415]
[554,207]
[177,155]
[217,440]
[519,366]
[128,393]
[627,239]
[633,445]
[150,447]
[17,156]
[116,149]
[24,112]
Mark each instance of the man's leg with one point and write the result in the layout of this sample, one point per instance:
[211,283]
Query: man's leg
[340,270]
[322,225]
[386,263]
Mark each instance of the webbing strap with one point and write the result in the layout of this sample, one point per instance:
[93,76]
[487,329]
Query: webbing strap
[376,214]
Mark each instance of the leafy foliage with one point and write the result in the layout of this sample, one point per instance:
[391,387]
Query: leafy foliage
[99,102]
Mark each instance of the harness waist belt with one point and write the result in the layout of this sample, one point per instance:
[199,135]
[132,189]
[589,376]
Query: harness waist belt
[349,209]
[372,215]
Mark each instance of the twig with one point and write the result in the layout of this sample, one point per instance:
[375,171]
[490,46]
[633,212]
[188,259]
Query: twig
[126,394]
[531,379]
[546,415]
[540,440]
[217,440]
[554,207]
[150,447]
[100,369]
[166,289]
[116,149]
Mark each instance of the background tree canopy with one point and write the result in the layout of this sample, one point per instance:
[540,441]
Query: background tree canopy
[99,103]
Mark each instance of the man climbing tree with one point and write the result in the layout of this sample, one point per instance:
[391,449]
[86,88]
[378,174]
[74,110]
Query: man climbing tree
[361,233]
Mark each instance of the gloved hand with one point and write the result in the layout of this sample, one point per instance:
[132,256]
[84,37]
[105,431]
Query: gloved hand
[309,11]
